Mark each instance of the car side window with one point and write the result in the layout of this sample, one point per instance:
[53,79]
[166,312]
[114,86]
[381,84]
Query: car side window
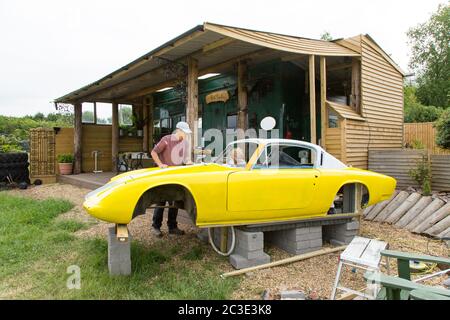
[278,156]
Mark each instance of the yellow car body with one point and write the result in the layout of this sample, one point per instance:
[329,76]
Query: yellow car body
[222,195]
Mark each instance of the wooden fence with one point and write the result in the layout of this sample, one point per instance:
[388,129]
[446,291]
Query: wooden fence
[424,133]
[397,163]
[42,155]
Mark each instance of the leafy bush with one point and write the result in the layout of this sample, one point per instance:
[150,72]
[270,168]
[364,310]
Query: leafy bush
[415,111]
[65,158]
[442,126]
[422,175]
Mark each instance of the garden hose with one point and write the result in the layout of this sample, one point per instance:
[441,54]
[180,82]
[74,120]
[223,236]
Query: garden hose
[213,245]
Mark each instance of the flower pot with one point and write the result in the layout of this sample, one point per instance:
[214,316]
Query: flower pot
[65,168]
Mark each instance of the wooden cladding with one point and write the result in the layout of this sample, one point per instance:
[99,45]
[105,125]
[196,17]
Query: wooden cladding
[95,138]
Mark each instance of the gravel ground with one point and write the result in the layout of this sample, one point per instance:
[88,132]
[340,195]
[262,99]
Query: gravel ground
[314,276]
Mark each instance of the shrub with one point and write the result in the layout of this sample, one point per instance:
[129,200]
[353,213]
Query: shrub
[65,158]
[443,130]
[422,175]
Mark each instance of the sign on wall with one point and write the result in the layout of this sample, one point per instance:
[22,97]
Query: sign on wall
[218,96]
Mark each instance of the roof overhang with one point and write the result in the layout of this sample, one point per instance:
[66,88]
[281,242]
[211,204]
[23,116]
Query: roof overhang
[345,112]
[212,45]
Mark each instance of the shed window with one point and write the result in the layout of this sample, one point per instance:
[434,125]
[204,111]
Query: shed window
[125,115]
[104,113]
[88,112]
[232,121]
[333,119]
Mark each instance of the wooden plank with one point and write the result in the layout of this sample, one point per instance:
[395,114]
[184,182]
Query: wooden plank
[356,85]
[312,99]
[192,101]
[403,208]
[428,211]
[434,218]
[439,227]
[394,204]
[414,211]
[145,115]
[379,207]
[242,98]
[323,101]
[115,136]
[284,261]
[77,137]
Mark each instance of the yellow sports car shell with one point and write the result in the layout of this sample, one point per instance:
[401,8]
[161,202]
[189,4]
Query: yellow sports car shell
[301,184]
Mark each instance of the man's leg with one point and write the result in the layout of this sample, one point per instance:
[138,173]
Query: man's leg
[158,218]
[172,222]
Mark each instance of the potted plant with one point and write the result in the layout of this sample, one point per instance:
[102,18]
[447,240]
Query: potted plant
[139,124]
[65,163]
[123,131]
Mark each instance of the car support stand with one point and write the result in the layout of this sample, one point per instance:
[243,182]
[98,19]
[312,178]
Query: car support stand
[119,251]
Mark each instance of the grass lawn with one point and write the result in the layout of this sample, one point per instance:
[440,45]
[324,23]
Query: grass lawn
[36,249]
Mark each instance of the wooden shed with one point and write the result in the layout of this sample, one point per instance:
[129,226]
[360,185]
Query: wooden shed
[345,95]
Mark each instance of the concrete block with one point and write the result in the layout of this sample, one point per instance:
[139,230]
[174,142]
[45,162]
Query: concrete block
[240,262]
[446,283]
[298,240]
[202,234]
[119,254]
[341,233]
[249,240]
[292,295]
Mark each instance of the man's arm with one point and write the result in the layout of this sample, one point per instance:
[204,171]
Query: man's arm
[158,149]
[158,161]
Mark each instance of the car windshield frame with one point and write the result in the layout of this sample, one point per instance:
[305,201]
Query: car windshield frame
[251,158]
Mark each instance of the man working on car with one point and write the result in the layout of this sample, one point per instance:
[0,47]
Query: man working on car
[172,150]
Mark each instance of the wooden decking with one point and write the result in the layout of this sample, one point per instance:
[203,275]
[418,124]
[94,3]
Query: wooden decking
[87,180]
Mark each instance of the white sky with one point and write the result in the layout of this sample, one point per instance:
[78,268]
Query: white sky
[51,47]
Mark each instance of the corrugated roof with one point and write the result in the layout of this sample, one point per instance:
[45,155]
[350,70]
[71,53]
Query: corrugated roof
[282,42]
[344,111]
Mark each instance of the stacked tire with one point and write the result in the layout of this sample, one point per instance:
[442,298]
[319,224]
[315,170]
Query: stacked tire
[14,166]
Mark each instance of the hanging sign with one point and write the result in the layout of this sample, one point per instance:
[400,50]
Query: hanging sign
[218,96]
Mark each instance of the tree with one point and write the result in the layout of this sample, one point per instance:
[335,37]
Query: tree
[415,111]
[430,58]
[443,130]
[326,36]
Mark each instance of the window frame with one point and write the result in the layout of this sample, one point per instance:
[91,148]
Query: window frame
[315,163]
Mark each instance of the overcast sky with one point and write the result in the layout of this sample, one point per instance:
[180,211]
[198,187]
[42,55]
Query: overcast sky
[51,47]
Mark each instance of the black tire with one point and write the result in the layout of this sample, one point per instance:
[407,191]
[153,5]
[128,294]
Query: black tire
[14,165]
[13,157]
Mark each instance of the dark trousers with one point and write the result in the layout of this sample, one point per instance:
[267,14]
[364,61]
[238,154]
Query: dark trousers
[158,216]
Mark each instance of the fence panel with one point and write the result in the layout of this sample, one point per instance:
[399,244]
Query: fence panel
[425,133]
[42,152]
[396,163]
[440,168]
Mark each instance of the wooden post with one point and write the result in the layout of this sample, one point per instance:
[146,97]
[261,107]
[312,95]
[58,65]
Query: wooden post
[150,121]
[115,136]
[192,100]
[242,99]
[323,101]
[312,98]
[145,114]
[77,138]
[356,85]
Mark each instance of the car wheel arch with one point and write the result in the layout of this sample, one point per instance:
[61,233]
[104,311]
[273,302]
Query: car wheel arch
[354,182]
[182,196]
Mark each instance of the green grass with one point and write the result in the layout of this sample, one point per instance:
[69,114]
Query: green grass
[36,249]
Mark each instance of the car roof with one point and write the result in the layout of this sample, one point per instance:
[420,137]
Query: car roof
[290,141]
